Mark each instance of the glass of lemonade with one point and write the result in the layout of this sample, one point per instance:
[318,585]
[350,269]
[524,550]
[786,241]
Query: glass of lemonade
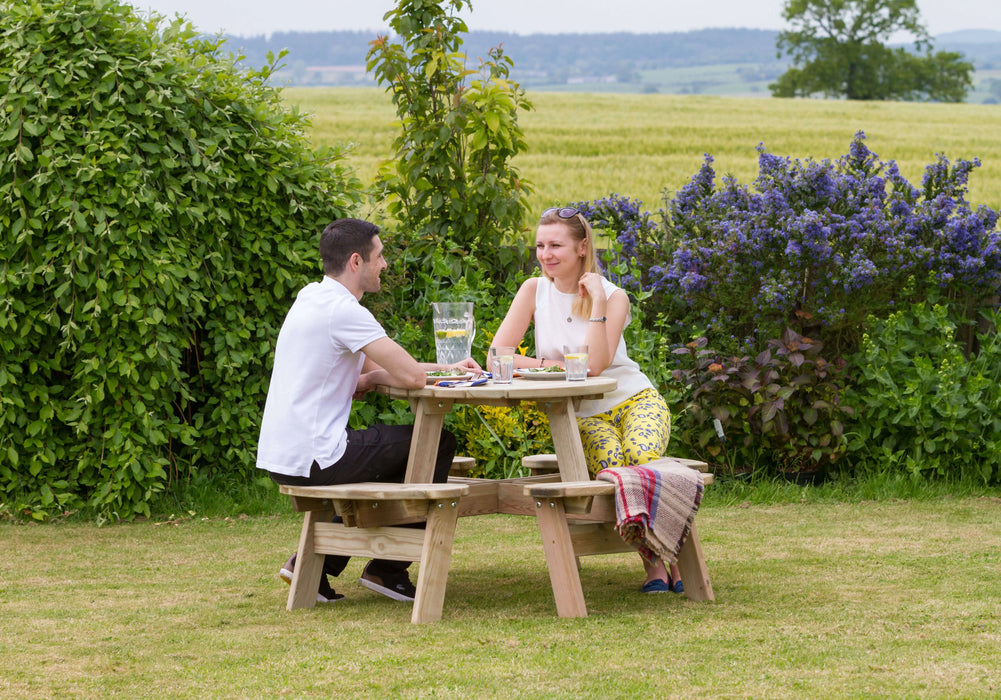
[575,358]
[454,328]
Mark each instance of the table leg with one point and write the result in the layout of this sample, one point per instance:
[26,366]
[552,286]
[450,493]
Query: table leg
[429,419]
[435,558]
[566,440]
[558,547]
[693,569]
[308,564]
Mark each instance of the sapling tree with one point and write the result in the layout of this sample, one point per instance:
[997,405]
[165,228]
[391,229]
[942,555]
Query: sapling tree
[451,186]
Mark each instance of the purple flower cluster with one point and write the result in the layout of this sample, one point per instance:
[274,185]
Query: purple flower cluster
[635,233]
[820,245]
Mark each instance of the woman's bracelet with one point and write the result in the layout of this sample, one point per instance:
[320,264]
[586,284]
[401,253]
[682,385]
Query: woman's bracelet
[598,320]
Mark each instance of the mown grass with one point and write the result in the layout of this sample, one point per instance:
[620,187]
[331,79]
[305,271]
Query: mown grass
[586,146]
[861,599]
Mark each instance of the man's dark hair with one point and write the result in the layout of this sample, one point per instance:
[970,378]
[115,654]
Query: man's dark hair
[341,239]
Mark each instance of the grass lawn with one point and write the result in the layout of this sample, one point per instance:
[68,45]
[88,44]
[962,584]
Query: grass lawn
[888,598]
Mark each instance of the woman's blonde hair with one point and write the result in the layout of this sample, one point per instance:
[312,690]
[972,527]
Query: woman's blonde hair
[580,230]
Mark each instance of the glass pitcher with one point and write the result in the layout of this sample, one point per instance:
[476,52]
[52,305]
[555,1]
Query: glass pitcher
[454,328]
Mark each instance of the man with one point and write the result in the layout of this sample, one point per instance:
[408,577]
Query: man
[331,349]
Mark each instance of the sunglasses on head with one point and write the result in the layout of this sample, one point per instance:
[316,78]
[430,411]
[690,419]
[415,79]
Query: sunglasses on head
[562,212]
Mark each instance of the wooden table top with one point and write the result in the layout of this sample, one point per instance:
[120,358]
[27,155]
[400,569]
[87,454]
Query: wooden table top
[517,390]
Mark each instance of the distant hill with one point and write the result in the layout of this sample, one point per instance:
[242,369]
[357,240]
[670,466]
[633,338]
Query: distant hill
[708,61]
[970,36]
[615,61]
[982,47]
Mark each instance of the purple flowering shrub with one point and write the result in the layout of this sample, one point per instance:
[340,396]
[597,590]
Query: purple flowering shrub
[821,246]
[818,250]
[635,248]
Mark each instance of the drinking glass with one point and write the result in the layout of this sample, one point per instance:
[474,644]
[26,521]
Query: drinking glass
[575,358]
[500,361]
[454,328]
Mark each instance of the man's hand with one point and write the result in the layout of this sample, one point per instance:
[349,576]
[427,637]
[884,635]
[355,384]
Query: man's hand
[469,364]
[366,382]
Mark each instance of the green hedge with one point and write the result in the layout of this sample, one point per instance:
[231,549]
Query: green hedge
[158,211]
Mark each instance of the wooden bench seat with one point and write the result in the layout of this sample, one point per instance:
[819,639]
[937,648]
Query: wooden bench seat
[461,466]
[577,518]
[372,513]
[546,463]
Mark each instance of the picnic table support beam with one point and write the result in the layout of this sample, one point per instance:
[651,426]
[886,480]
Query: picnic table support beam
[436,556]
[562,563]
[693,569]
[566,440]
[429,419]
[308,563]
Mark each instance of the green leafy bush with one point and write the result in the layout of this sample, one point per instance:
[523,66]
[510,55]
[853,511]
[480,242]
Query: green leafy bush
[785,405]
[158,211]
[497,437]
[925,408]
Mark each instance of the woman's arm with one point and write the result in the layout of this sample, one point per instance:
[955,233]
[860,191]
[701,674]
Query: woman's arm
[603,337]
[515,324]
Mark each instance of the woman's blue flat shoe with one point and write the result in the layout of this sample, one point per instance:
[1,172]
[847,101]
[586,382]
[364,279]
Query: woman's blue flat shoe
[658,585]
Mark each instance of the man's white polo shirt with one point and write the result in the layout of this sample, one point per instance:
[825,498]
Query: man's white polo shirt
[317,365]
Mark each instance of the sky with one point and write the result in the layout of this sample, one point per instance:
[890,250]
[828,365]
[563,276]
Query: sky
[255,17]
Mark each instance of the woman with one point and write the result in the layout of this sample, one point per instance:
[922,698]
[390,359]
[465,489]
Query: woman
[572,304]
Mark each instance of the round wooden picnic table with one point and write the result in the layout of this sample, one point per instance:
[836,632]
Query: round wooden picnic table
[557,398]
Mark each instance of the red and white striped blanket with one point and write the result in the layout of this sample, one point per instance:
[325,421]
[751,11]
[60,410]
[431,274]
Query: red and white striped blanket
[655,504]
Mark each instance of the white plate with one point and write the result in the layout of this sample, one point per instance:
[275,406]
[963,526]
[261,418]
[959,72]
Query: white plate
[450,377]
[522,374]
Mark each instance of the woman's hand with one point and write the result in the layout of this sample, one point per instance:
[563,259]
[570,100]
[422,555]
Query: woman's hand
[590,285]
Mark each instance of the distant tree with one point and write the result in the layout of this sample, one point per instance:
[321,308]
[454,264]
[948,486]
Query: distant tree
[838,50]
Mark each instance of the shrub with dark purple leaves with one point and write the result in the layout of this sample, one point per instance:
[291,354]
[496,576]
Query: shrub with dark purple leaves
[778,412]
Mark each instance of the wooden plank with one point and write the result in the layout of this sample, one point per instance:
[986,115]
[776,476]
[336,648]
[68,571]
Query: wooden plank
[693,569]
[481,498]
[560,559]
[512,499]
[429,418]
[461,466]
[303,504]
[377,491]
[570,489]
[308,563]
[597,538]
[540,464]
[384,513]
[436,554]
[396,543]
[566,440]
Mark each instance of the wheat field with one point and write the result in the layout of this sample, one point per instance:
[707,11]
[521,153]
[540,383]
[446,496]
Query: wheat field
[586,146]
